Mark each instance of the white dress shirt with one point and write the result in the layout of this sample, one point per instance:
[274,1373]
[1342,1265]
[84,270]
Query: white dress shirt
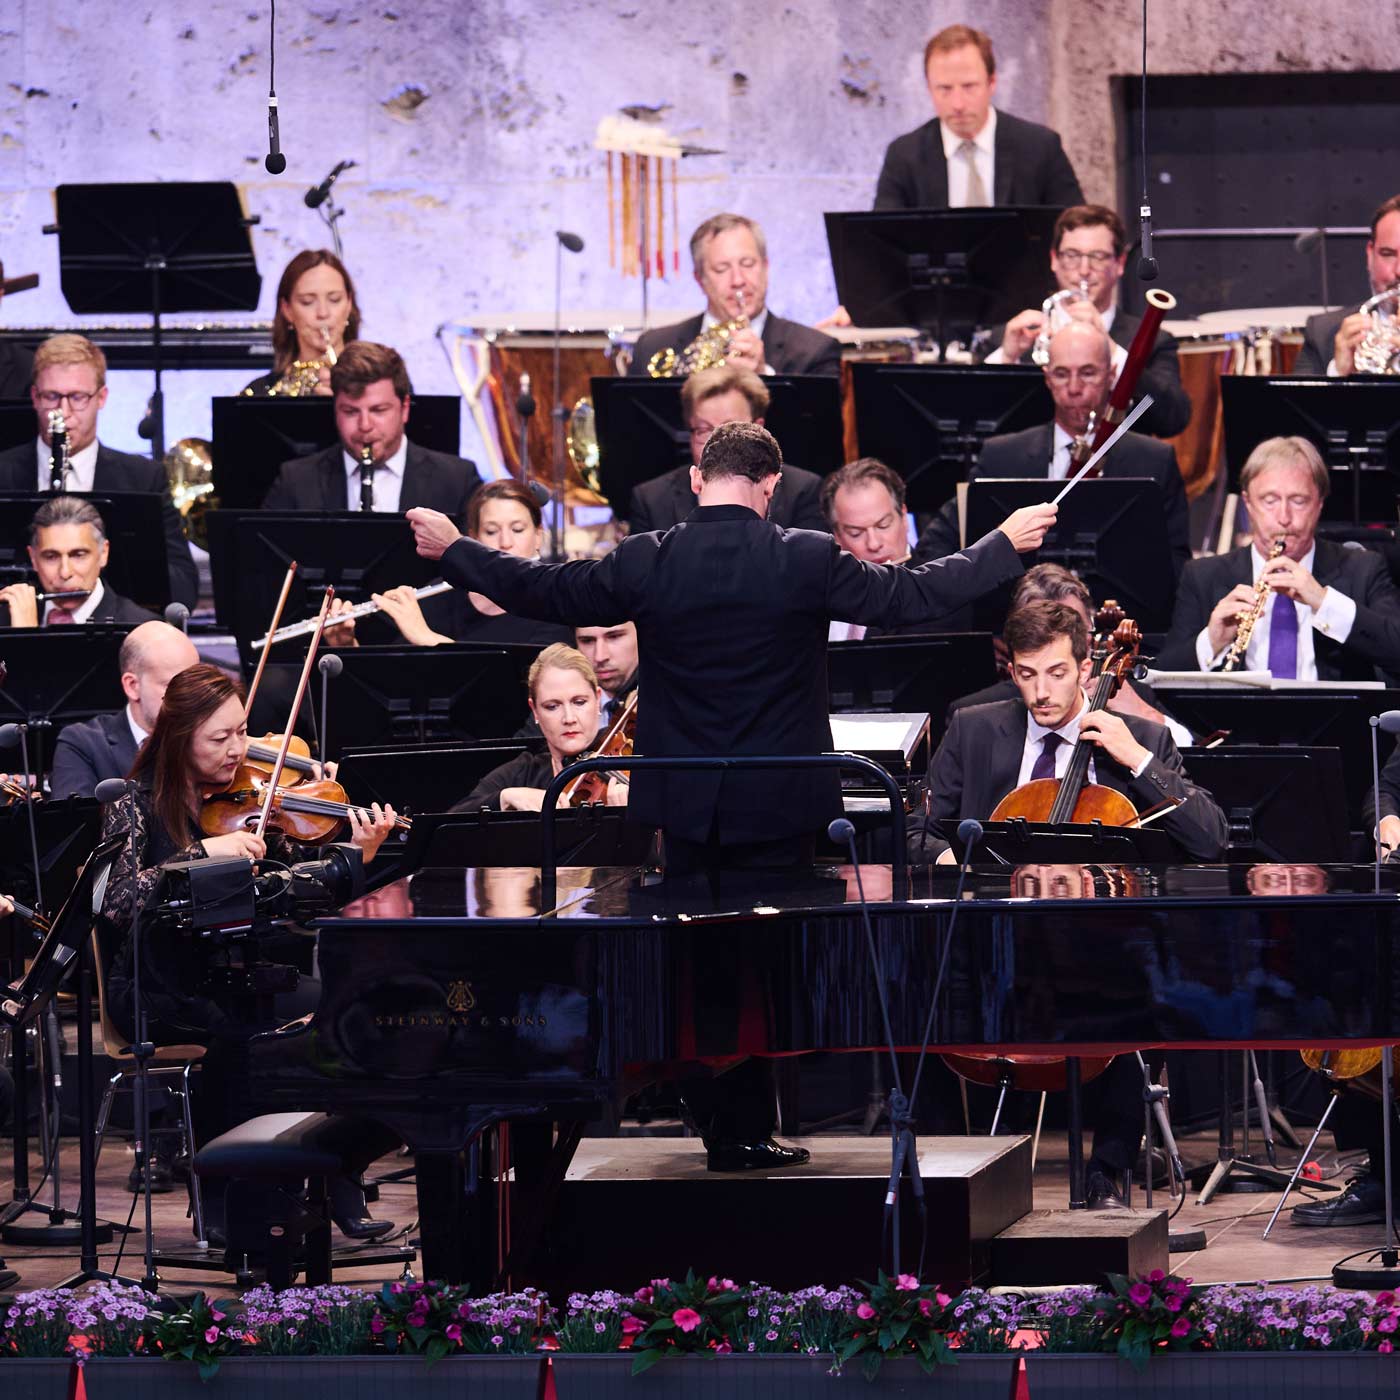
[1069,734]
[81,613]
[845,632]
[985,157]
[388,480]
[82,466]
[1334,619]
[137,732]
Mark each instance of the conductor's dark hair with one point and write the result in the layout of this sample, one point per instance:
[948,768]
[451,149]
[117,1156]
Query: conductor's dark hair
[1037,624]
[741,449]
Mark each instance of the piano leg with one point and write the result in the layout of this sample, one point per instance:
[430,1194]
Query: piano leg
[1074,1111]
[457,1216]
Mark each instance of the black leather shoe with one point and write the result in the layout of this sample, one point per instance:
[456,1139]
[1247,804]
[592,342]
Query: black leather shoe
[351,1215]
[763,1155]
[1101,1194]
[1362,1203]
[162,1180]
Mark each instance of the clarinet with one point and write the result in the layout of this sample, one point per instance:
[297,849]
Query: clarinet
[58,452]
[366,477]
[1234,658]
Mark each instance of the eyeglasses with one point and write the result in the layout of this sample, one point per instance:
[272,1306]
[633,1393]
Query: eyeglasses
[78,400]
[1072,257]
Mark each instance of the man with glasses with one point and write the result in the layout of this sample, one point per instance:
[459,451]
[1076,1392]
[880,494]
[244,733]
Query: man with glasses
[1080,376]
[70,377]
[729,394]
[1090,248]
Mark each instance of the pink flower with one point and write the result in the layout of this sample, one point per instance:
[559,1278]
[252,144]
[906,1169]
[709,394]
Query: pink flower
[1386,1346]
[1141,1294]
[1387,1323]
[943,1299]
[1156,1276]
[1173,1304]
[865,1312]
[396,1287]
[925,1307]
[1385,1298]
[906,1283]
[376,1324]
[723,1349]
[211,1335]
[687,1319]
[216,1315]
[632,1325]
[1181,1327]
[643,1295]
[454,1332]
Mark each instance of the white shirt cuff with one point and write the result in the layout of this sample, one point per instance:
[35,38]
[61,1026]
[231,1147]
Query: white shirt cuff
[1336,617]
[1142,767]
[1120,358]
[995,358]
[1181,736]
[1205,657]
[1332,371]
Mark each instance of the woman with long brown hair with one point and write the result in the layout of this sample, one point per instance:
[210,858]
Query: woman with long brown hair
[317,315]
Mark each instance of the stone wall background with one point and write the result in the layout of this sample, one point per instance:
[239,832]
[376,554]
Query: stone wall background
[473,127]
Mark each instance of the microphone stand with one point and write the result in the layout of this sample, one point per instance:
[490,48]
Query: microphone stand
[330,666]
[575,245]
[525,407]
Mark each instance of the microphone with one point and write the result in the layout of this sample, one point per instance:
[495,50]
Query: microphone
[841,830]
[317,195]
[111,790]
[1147,264]
[969,832]
[330,666]
[1388,721]
[178,616]
[570,240]
[525,404]
[11,734]
[275,161]
[540,492]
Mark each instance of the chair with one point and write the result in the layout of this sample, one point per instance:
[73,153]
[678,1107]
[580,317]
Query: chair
[169,1062]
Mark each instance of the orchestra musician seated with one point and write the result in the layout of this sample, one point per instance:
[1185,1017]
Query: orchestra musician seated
[70,380]
[317,315]
[1090,252]
[503,515]
[197,745]
[1334,613]
[68,549]
[372,402]
[565,702]
[105,746]
[729,255]
[710,397]
[1080,377]
[612,652]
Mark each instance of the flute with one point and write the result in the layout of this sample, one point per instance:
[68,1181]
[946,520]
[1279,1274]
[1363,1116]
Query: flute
[305,629]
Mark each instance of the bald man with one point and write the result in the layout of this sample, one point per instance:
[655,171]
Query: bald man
[105,747]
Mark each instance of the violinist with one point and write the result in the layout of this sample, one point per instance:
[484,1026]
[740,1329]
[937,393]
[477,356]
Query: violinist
[565,702]
[990,749]
[198,744]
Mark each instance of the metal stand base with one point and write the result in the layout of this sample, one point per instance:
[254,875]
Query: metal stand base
[62,1231]
[1383,1274]
[1185,1241]
[1241,1174]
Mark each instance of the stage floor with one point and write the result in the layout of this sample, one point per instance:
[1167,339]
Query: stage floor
[1233,1223]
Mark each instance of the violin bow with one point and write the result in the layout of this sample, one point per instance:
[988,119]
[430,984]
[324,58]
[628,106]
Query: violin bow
[276,621]
[1141,407]
[276,775]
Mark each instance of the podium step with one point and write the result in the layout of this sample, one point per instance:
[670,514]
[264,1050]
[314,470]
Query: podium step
[632,1209]
[1080,1246]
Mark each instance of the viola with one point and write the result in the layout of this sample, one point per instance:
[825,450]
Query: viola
[616,743]
[308,813]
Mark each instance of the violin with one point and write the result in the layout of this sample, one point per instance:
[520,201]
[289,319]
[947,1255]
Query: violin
[309,812]
[262,753]
[616,743]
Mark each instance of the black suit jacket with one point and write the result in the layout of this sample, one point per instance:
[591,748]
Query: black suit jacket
[1374,640]
[666,500]
[732,614]
[1029,167]
[118,472]
[1319,335]
[16,371]
[788,347]
[91,752]
[1027,454]
[979,761]
[432,479]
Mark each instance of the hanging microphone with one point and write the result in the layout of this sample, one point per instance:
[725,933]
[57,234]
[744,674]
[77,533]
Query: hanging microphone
[525,404]
[570,240]
[317,195]
[275,161]
[1147,264]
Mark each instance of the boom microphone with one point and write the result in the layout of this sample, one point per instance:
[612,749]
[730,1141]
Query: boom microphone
[275,161]
[317,195]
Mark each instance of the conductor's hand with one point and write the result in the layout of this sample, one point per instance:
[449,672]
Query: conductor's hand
[1114,737]
[235,844]
[1349,336]
[24,606]
[1225,616]
[433,532]
[369,826]
[1026,528]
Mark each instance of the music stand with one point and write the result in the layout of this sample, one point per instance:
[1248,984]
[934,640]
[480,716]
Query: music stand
[1020,842]
[249,553]
[153,248]
[17,424]
[1282,804]
[597,836]
[58,676]
[947,271]
[929,422]
[642,434]
[424,780]
[1111,532]
[131,519]
[253,437]
[1354,423]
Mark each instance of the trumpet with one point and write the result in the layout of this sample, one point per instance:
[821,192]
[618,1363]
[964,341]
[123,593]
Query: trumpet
[58,451]
[305,629]
[1235,656]
[1053,316]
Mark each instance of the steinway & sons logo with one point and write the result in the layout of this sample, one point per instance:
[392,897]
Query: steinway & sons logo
[460,1009]
[460,996]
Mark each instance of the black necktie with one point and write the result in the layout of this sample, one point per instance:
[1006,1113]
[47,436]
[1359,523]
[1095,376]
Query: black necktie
[1045,760]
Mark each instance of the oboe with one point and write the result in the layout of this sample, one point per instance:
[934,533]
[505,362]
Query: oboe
[366,477]
[1234,658]
[305,629]
[58,451]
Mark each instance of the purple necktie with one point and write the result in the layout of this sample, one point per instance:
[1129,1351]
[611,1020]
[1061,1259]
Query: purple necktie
[58,616]
[1283,638]
[1045,760]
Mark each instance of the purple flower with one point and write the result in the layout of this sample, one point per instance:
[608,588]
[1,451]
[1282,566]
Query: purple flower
[211,1335]
[1181,1327]
[1141,1294]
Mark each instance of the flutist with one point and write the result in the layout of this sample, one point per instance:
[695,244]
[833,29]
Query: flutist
[1334,612]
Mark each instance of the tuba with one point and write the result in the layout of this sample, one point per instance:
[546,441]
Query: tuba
[1054,315]
[708,350]
[1379,350]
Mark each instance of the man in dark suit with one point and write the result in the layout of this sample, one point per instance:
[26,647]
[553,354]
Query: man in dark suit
[972,155]
[68,549]
[732,614]
[1090,253]
[70,377]
[372,400]
[1080,376]
[105,747]
[1330,338]
[710,397]
[730,255]
[1332,613]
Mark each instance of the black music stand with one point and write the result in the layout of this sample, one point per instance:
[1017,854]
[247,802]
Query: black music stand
[424,780]
[597,836]
[152,248]
[17,423]
[1020,842]
[58,676]
[1354,423]
[929,422]
[641,433]
[946,271]
[253,437]
[1282,804]
[1111,532]
[132,520]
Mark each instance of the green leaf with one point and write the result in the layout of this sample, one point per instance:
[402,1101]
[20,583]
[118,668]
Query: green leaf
[646,1360]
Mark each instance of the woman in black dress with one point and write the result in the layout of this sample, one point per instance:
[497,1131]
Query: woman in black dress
[317,315]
